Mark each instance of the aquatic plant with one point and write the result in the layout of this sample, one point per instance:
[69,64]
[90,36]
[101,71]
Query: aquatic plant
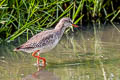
[32,16]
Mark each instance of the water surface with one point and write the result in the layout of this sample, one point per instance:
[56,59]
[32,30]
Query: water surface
[92,54]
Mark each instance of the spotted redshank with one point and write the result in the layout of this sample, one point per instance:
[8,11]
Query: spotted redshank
[45,40]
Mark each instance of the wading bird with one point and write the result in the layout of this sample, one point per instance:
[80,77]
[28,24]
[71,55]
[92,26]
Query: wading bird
[45,40]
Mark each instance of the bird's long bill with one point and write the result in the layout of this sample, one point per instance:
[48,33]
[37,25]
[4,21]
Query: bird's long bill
[75,25]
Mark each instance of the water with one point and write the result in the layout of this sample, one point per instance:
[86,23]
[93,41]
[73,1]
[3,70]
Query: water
[83,55]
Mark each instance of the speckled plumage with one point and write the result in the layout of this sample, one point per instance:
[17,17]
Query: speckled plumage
[46,40]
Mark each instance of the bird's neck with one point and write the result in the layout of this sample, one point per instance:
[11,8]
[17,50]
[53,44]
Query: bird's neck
[60,28]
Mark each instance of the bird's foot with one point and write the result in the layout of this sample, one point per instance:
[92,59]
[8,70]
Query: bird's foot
[43,61]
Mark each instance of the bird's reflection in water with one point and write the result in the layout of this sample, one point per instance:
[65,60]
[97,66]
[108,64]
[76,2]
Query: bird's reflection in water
[41,74]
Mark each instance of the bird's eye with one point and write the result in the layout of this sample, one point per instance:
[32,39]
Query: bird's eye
[70,22]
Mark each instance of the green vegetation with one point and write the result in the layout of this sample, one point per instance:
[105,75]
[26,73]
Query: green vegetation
[31,16]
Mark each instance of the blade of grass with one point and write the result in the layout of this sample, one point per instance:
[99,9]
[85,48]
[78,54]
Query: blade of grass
[22,29]
[78,9]
[79,19]
[2,2]
[115,16]
[67,10]
[115,27]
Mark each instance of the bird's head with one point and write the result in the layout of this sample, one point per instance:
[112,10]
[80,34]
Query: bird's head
[67,22]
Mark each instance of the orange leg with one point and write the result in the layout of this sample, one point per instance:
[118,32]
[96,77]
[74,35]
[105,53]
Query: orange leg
[38,57]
